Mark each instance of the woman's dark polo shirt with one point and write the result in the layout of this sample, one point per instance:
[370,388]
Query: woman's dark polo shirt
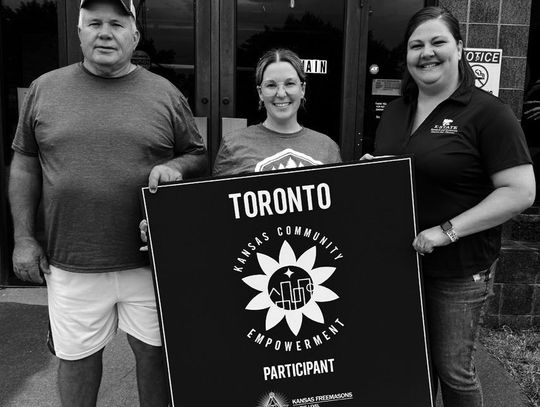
[466,138]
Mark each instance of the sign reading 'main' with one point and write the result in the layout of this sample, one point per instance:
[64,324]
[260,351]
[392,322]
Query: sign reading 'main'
[315,65]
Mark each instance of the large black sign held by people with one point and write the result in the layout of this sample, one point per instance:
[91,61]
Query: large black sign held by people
[291,288]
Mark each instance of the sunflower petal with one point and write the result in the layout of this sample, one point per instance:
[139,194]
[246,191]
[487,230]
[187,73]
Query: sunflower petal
[286,255]
[268,265]
[260,301]
[257,281]
[307,260]
[273,317]
[294,320]
[313,312]
[323,294]
[321,274]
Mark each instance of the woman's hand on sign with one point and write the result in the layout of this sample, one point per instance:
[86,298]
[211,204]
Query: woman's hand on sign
[429,239]
[371,157]
[143,228]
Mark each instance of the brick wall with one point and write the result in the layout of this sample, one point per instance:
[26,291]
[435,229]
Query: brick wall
[498,24]
[516,302]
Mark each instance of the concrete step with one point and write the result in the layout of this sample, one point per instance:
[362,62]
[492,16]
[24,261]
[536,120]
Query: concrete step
[524,227]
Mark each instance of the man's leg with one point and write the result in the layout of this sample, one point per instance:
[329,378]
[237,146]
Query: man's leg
[151,379]
[79,380]
[83,319]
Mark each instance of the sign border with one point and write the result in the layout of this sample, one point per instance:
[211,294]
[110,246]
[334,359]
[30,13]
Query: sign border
[375,161]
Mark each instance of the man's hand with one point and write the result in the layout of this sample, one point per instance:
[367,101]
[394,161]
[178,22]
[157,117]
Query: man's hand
[429,239]
[143,228]
[29,260]
[162,173]
[367,157]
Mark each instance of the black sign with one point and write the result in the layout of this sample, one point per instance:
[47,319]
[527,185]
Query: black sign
[291,288]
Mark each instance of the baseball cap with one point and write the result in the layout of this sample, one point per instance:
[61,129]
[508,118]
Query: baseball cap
[126,5]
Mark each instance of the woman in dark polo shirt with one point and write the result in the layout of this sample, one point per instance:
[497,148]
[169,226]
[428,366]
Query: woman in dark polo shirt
[473,173]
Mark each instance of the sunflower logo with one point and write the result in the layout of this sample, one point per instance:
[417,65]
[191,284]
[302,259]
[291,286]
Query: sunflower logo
[290,288]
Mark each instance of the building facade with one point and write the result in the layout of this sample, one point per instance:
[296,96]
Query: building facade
[352,50]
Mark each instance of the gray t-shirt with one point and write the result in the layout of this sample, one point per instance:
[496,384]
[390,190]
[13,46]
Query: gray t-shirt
[97,140]
[257,148]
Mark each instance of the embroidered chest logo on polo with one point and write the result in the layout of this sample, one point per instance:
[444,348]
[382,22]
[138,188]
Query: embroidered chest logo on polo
[287,158]
[446,127]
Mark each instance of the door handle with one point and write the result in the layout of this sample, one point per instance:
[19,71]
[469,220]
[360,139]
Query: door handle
[204,101]
[225,101]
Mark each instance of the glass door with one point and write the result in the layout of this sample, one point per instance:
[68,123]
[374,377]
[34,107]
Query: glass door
[167,44]
[324,34]
[209,50]
[385,60]
[311,28]
[30,45]
[174,43]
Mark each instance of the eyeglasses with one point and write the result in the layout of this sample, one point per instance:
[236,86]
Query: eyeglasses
[270,88]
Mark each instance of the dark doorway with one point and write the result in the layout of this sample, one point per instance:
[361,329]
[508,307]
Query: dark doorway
[29,47]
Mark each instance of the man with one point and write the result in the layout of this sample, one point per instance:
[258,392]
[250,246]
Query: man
[89,136]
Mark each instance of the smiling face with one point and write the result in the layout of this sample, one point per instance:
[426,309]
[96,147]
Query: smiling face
[433,56]
[281,91]
[108,38]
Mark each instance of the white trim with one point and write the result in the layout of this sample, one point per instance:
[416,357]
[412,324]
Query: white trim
[306,169]
[158,299]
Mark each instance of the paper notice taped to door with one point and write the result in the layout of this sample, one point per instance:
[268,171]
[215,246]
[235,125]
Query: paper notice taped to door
[386,87]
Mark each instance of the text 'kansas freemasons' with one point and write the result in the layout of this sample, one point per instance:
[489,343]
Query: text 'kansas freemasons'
[281,200]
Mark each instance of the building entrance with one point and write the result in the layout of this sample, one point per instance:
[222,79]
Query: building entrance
[209,50]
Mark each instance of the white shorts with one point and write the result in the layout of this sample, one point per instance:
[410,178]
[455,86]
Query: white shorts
[86,309]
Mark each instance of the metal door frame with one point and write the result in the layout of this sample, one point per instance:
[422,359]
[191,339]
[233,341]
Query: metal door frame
[355,14]
[215,66]
[6,230]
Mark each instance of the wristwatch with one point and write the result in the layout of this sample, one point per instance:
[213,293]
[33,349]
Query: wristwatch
[449,230]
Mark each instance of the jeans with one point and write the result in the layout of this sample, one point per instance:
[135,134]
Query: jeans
[454,308]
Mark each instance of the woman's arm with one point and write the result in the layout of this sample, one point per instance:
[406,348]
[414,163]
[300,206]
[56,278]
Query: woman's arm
[514,192]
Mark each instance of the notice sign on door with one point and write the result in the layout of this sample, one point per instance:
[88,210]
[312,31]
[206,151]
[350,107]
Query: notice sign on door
[486,65]
[291,288]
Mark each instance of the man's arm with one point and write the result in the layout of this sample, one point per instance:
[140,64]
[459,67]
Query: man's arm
[186,165]
[29,259]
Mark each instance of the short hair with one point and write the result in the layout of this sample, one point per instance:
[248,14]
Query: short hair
[279,55]
[408,87]
[131,19]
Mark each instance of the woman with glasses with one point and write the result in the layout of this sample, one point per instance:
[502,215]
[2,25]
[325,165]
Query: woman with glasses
[279,141]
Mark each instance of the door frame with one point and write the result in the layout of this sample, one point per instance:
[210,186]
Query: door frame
[354,51]
[215,66]
[209,38]
[354,79]
[5,231]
